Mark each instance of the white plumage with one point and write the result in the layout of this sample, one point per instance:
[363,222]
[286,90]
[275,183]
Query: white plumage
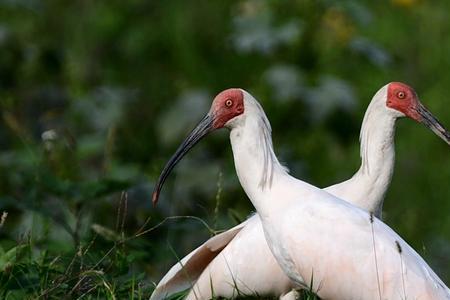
[345,252]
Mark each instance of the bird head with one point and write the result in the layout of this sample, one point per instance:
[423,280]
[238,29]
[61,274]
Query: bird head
[403,100]
[226,107]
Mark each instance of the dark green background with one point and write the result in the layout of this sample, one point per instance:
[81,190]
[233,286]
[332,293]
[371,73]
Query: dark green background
[96,95]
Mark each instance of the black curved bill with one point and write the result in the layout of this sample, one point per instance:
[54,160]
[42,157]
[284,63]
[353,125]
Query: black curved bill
[202,129]
[431,122]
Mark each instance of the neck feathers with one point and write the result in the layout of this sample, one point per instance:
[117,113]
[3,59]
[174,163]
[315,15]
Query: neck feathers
[377,158]
[364,138]
[377,136]
[251,138]
[270,161]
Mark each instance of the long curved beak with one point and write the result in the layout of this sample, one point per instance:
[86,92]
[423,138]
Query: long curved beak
[202,129]
[431,122]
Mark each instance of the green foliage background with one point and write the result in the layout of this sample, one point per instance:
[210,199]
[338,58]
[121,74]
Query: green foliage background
[96,95]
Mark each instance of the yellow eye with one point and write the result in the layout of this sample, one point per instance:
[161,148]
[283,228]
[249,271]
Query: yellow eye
[228,103]
[401,95]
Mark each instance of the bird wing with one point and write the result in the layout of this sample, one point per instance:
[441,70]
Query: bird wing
[185,272]
[346,251]
[244,267]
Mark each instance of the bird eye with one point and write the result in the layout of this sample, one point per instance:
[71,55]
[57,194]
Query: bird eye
[401,95]
[228,103]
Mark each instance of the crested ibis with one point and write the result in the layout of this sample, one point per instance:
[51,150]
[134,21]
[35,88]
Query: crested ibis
[316,238]
[243,247]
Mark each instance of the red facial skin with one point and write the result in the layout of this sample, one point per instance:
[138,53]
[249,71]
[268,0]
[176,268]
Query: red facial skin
[227,105]
[403,98]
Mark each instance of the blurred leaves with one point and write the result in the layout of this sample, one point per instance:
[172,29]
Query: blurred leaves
[330,95]
[374,53]
[255,31]
[285,81]
[95,96]
[8,258]
[190,107]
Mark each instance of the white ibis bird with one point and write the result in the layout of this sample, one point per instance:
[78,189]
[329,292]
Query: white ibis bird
[243,248]
[320,241]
